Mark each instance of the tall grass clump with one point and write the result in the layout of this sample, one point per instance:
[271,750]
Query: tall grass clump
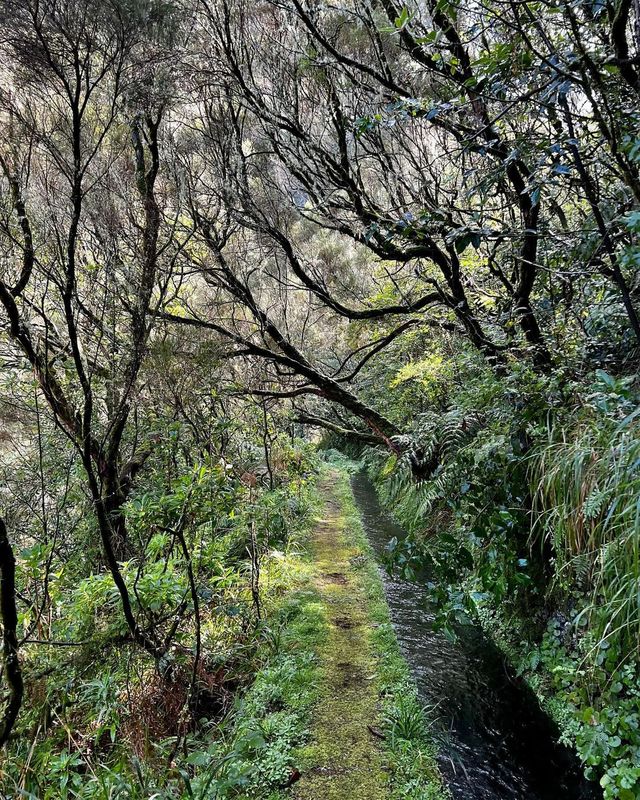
[586,487]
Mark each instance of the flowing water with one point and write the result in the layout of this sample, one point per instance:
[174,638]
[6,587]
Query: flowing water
[497,743]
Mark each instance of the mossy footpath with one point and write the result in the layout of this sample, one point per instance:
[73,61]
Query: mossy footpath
[368,737]
[344,758]
[333,714]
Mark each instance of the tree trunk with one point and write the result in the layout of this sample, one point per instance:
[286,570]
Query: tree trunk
[9,613]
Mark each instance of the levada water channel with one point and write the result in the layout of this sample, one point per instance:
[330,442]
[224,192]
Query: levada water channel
[496,741]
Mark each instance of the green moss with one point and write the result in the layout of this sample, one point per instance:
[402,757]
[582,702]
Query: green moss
[335,681]
[366,688]
[343,759]
[273,718]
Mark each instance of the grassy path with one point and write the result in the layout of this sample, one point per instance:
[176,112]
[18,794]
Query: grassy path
[333,714]
[346,758]
[368,738]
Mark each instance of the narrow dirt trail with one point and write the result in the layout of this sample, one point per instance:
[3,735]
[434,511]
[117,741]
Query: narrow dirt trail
[345,762]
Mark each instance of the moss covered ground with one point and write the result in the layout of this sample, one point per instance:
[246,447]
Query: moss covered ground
[344,758]
[368,736]
[334,714]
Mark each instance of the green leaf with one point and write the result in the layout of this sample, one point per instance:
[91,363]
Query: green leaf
[403,18]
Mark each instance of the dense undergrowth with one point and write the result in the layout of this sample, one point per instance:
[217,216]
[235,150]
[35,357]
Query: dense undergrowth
[119,725]
[527,519]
